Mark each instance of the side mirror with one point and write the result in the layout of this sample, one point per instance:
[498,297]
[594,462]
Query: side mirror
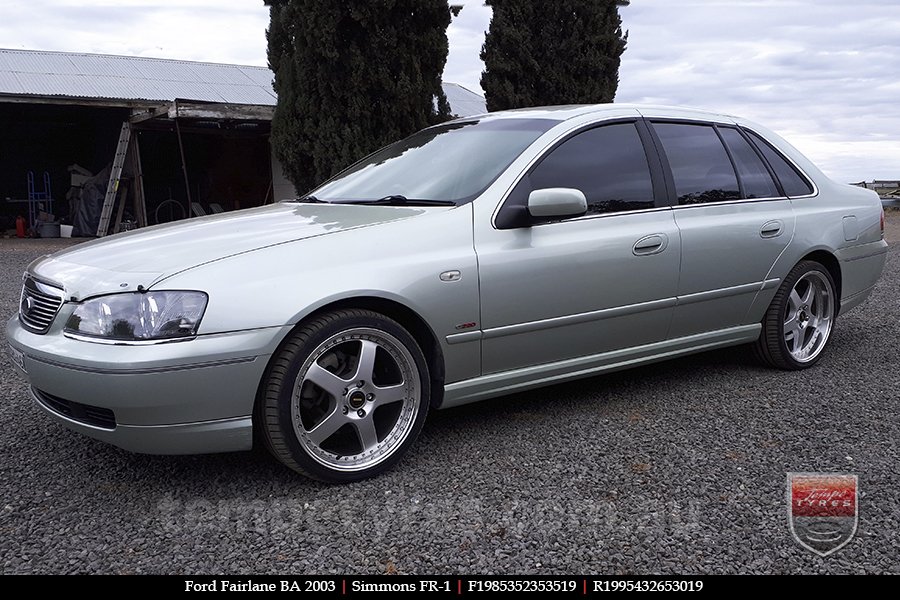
[557,202]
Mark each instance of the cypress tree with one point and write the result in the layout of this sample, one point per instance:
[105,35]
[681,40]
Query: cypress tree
[540,53]
[352,76]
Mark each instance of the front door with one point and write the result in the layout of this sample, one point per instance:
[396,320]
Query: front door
[552,291]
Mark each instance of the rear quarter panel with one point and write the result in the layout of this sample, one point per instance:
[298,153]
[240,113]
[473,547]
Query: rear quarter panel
[821,226]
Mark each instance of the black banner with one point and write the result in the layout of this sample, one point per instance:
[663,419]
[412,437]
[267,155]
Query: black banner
[450,585]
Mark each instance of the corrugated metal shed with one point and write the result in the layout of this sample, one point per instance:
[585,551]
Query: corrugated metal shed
[73,75]
[134,78]
[463,102]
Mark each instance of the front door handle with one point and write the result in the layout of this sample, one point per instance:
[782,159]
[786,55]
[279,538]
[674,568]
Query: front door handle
[772,229]
[651,244]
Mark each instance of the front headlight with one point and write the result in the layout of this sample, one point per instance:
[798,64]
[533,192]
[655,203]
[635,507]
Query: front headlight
[140,316]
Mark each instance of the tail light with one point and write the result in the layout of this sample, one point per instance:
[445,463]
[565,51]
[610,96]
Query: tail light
[882,222]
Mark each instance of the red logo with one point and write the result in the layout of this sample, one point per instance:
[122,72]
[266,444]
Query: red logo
[822,510]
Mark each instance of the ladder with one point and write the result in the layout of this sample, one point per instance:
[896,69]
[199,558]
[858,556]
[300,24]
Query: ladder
[37,199]
[115,176]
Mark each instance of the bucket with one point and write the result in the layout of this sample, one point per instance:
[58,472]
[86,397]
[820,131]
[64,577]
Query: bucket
[48,230]
[65,231]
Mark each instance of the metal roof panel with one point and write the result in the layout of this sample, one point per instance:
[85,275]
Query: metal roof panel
[134,78]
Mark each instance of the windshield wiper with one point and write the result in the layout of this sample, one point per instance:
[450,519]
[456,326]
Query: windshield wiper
[393,200]
[400,200]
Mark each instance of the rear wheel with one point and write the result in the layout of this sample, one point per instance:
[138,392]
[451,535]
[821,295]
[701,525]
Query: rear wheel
[346,396]
[799,322]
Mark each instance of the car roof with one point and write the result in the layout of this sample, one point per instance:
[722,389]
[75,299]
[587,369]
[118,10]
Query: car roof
[566,112]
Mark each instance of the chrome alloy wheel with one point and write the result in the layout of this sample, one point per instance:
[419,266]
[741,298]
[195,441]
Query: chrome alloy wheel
[809,316]
[356,399]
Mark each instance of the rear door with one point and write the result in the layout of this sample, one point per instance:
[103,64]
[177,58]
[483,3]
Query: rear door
[733,219]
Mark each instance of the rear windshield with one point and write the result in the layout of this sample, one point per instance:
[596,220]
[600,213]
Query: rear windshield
[453,162]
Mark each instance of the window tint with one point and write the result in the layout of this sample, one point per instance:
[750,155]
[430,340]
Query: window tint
[607,163]
[754,175]
[700,165]
[791,181]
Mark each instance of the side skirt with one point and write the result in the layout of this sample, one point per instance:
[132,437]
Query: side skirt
[518,380]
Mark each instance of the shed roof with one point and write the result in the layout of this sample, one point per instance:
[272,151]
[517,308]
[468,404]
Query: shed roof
[133,78]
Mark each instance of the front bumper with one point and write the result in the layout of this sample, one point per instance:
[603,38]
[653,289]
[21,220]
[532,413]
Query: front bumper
[176,398]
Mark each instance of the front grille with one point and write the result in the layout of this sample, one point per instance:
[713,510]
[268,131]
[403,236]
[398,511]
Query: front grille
[38,305]
[83,413]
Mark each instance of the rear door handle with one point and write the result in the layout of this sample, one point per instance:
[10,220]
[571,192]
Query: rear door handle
[772,229]
[651,244]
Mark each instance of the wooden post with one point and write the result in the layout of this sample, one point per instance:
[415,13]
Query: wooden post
[140,201]
[119,214]
[187,183]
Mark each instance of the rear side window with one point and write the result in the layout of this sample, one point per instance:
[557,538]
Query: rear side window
[607,163]
[754,175]
[792,182]
[700,166]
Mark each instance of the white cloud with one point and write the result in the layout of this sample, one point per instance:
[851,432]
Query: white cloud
[821,73]
[466,35]
[204,30]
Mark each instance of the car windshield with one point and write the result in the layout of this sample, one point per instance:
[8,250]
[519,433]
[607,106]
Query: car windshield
[450,163]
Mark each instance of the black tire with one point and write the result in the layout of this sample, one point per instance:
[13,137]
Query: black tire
[280,417]
[772,347]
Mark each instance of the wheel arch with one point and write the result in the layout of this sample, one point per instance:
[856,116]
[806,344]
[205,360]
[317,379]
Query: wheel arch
[828,260]
[404,315]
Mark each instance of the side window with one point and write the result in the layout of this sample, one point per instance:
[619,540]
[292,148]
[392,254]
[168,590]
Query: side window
[754,175]
[607,163]
[700,166]
[791,181]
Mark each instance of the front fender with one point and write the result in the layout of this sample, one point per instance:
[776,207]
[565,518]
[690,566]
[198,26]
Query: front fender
[400,261]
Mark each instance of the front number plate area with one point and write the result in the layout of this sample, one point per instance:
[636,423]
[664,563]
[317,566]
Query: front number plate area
[18,359]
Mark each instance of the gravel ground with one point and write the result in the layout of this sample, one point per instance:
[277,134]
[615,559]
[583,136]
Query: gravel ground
[673,468]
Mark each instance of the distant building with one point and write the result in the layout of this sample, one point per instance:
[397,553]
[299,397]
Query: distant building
[888,189]
[199,131]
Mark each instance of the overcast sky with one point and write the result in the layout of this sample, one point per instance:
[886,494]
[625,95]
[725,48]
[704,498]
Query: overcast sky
[823,73]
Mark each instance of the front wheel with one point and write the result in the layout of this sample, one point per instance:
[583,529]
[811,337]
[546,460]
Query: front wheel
[799,322]
[346,396]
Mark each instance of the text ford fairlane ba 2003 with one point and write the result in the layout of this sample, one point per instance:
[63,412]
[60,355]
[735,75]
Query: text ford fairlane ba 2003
[475,258]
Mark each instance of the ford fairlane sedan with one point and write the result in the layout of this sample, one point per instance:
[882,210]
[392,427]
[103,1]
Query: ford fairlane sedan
[476,258]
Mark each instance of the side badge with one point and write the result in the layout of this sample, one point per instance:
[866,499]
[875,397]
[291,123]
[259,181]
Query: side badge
[451,276]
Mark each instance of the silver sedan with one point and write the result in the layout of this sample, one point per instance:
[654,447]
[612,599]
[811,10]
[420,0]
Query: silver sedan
[476,258]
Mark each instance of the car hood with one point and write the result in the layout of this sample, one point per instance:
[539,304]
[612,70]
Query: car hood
[141,258]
